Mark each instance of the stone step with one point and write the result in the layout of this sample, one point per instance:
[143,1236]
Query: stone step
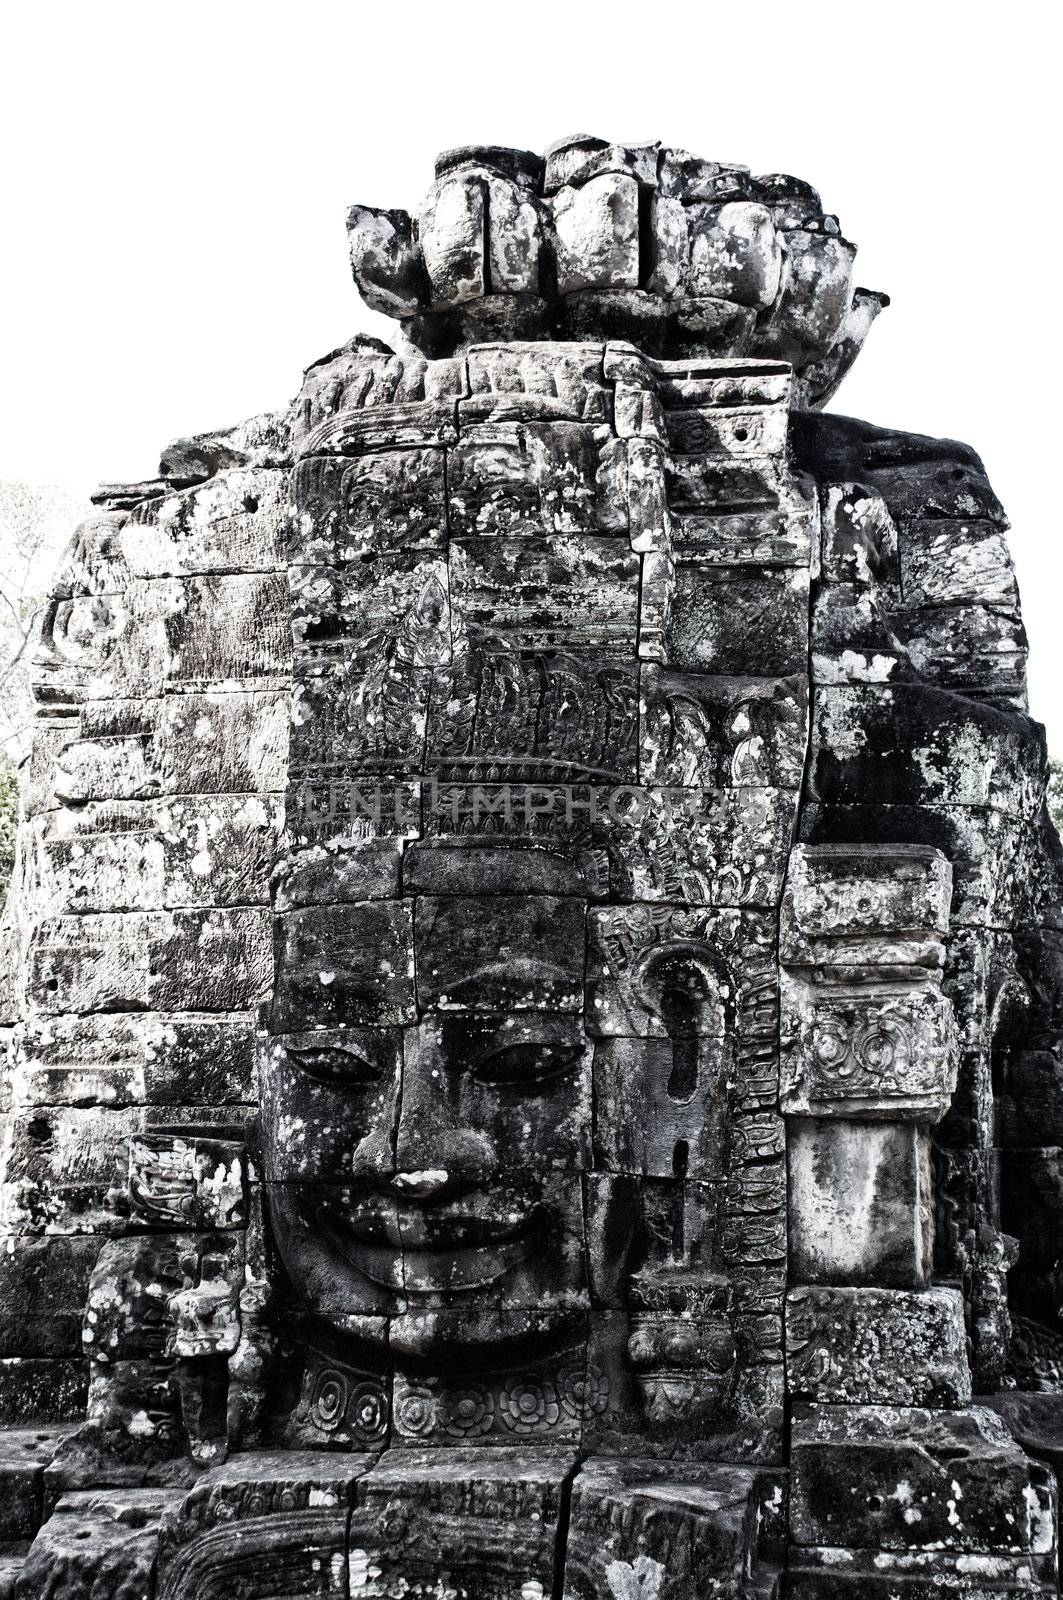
[12,1560]
[98,1542]
[24,1454]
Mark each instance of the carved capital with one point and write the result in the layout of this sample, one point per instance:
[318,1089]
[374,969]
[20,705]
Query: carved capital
[875,1052]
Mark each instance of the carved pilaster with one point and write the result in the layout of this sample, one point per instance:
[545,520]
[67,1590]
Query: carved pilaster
[869,1055]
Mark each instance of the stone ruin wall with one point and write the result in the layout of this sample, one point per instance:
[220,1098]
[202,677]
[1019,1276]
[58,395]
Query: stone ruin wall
[850,663]
[137,931]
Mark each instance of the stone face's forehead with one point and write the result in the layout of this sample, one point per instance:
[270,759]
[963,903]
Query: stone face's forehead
[343,964]
[500,952]
[480,866]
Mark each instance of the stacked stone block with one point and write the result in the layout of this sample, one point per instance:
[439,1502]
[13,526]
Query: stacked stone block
[139,928]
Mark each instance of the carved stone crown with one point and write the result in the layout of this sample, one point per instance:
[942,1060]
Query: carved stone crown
[597,240]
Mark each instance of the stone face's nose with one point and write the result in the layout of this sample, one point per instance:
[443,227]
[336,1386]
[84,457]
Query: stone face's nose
[436,1144]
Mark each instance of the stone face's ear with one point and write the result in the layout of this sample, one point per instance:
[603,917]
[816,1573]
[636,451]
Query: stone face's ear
[819,382]
[680,985]
[659,1105]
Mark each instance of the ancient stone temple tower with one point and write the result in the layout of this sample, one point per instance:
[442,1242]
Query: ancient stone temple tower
[533,1055]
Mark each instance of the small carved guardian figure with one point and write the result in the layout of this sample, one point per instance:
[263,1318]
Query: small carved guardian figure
[206,1332]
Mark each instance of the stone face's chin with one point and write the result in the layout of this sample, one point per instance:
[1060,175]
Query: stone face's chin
[476,1333]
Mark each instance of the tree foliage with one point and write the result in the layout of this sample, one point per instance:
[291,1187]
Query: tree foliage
[8,822]
[35,521]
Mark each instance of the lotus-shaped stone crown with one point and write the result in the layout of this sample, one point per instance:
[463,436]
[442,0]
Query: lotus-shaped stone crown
[596,240]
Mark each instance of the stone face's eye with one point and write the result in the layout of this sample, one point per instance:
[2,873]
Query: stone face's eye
[331,1063]
[526,1063]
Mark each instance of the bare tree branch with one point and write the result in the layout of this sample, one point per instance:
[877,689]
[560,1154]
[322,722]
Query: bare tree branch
[35,522]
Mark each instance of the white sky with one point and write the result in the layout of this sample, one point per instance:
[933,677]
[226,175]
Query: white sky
[176,177]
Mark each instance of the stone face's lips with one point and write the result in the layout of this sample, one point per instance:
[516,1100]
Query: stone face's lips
[458,1271]
[433,1256]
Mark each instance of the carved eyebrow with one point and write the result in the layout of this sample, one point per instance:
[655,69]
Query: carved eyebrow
[565,1032]
[524,968]
[489,869]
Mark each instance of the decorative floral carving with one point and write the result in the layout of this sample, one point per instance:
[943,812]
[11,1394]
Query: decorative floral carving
[528,1404]
[329,1401]
[416,1413]
[468,1412]
[872,1051]
[368,1412]
[583,1390]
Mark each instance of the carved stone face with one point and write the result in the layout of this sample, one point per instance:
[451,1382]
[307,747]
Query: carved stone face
[424,1149]
[519,1081]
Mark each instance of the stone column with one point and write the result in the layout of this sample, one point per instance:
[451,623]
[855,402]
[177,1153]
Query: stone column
[869,1056]
[898,1485]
